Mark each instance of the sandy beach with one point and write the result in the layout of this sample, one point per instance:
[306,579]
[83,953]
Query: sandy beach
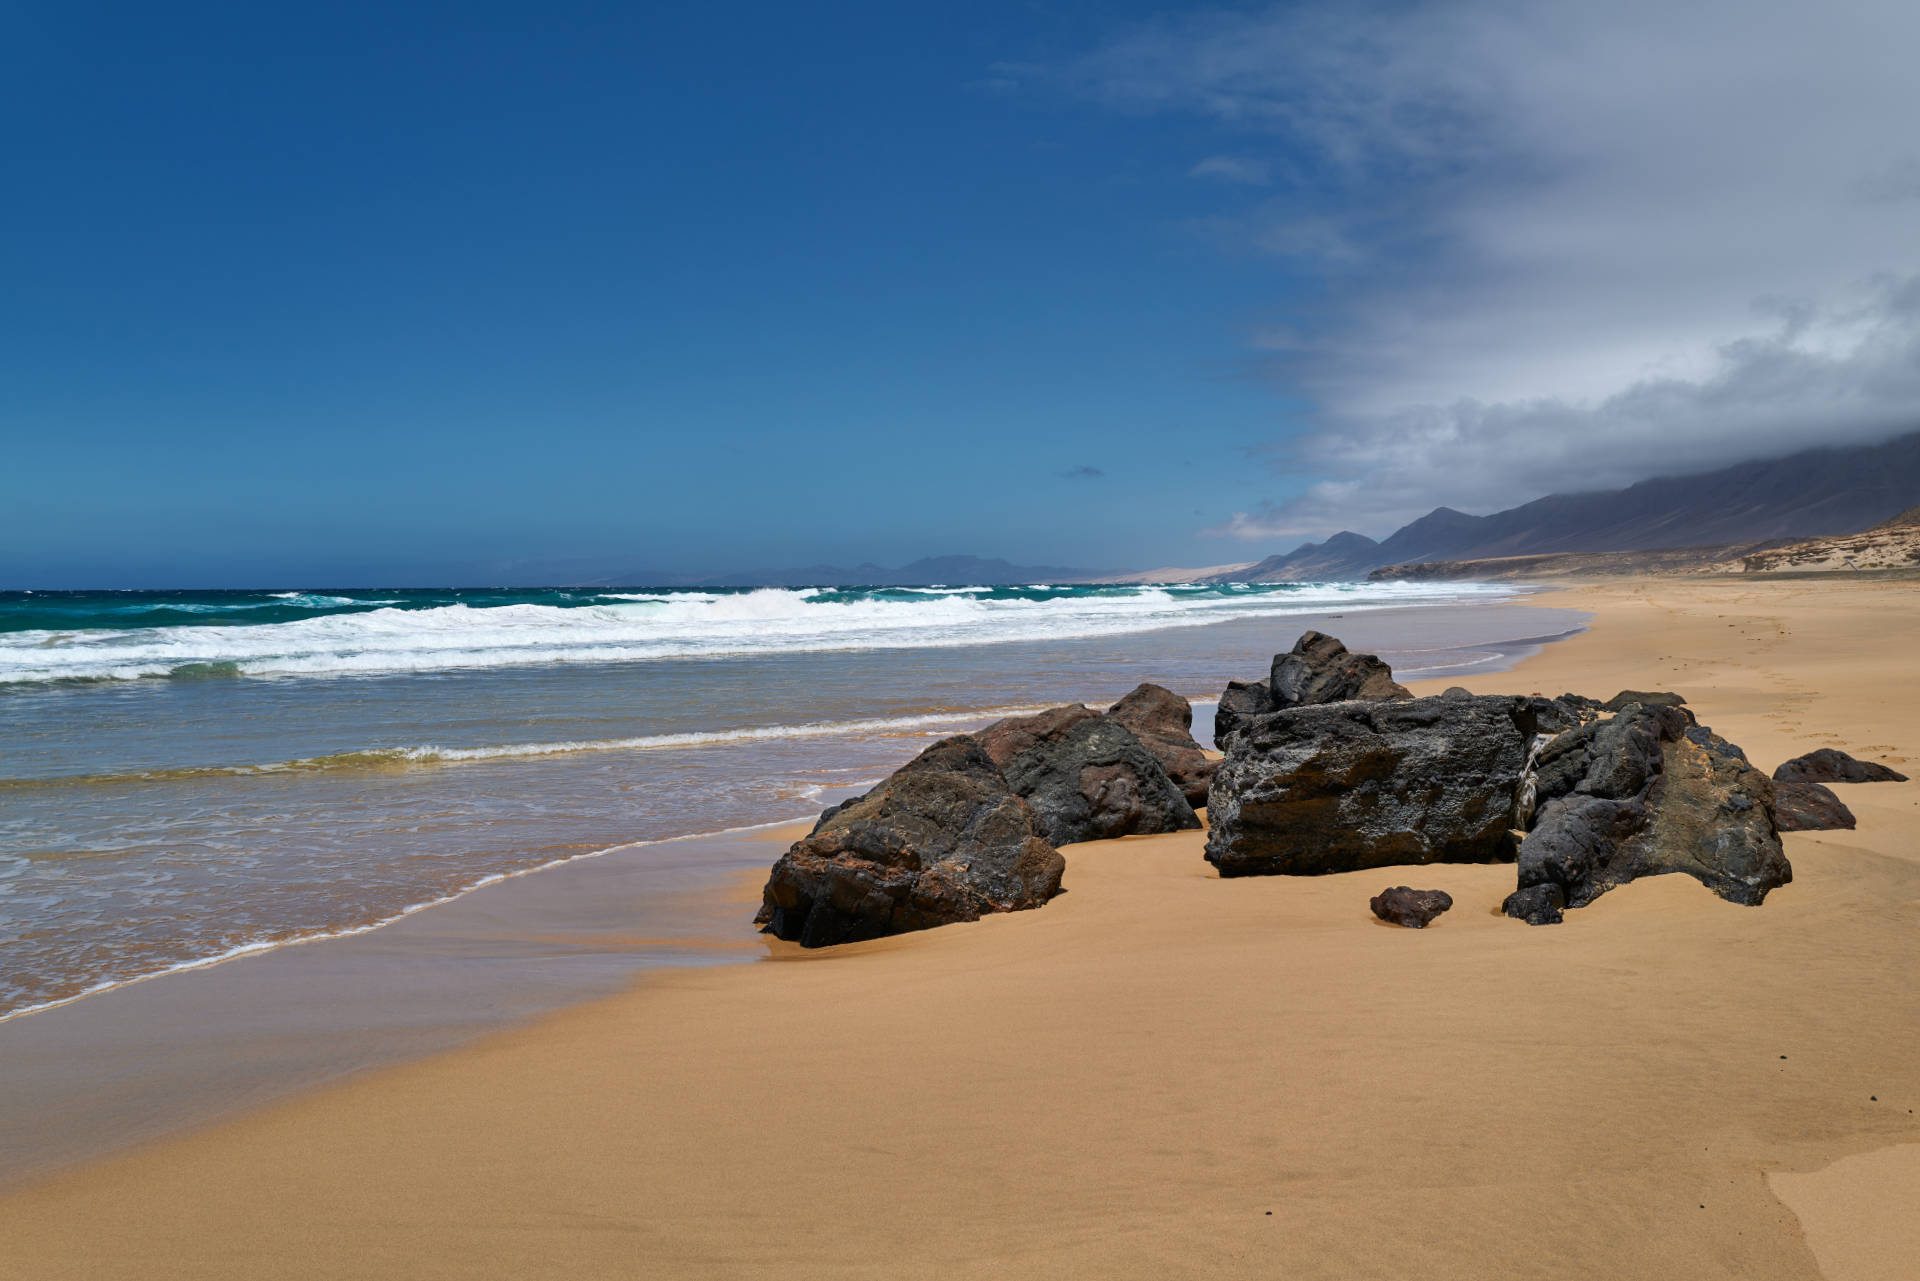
[1166,1074]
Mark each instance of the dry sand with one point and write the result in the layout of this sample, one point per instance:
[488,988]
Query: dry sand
[1165,1074]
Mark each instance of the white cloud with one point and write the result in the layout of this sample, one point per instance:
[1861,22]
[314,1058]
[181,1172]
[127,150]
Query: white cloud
[1565,246]
[1255,173]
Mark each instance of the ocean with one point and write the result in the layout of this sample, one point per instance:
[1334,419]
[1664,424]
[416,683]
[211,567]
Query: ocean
[189,777]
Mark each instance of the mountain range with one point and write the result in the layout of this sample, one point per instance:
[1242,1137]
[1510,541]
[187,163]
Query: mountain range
[1730,512]
[1828,490]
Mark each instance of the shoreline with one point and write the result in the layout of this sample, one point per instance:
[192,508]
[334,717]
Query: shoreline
[434,959]
[1163,1073]
[1125,1081]
[313,828]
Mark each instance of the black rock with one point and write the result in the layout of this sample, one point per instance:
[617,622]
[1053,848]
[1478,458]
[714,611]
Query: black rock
[1087,776]
[1344,786]
[1537,904]
[1319,669]
[1240,700]
[943,840]
[1830,766]
[1627,697]
[1412,908]
[1646,792]
[1163,722]
[1809,807]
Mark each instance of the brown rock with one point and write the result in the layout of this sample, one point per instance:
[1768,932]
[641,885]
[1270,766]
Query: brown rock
[1163,722]
[1809,807]
[1830,766]
[945,839]
[1412,908]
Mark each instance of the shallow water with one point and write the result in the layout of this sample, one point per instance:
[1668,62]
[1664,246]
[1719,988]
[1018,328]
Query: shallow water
[150,874]
[149,822]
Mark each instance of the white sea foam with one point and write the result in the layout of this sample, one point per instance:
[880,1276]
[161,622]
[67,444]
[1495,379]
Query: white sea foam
[642,626]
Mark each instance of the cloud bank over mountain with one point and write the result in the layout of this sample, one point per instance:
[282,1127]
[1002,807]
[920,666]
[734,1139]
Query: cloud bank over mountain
[1557,247]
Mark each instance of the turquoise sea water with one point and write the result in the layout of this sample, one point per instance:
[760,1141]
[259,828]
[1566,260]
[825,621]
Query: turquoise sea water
[187,776]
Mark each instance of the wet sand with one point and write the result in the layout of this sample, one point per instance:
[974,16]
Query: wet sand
[1162,1073]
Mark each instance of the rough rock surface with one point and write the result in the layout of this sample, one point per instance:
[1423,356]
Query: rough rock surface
[1239,701]
[1809,807]
[943,840]
[1319,669]
[1344,786]
[1541,904]
[1646,698]
[1830,766]
[1645,792]
[1410,907]
[1087,776]
[1163,722]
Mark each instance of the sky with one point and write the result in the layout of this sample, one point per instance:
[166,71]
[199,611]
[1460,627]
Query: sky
[503,293]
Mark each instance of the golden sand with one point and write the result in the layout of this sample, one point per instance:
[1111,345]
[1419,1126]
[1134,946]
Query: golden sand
[1165,1074]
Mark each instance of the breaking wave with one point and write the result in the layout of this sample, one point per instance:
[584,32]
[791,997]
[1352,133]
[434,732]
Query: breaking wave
[111,638]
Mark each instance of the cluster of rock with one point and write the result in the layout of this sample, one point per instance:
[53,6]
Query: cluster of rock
[1330,766]
[1352,772]
[970,826]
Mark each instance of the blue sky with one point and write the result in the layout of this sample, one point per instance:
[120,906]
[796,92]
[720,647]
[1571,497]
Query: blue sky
[507,293]
[356,293]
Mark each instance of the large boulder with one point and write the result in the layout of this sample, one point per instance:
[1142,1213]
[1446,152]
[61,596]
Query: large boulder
[944,839]
[1163,722]
[1830,766]
[1318,669]
[1087,776]
[1343,786]
[1642,793]
[1005,739]
[1809,807]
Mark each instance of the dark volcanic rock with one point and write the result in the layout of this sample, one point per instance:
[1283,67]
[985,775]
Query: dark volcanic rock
[1645,792]
[1241,700]
[1319,669]
[1410,907]
[1645,698]
[943,840]
[1537,904]
[1163,722]
[1344,786]
[1830,766]
[1087,776]
[1808,807]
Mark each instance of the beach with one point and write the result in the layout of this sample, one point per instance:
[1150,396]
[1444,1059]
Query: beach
[1162,1073]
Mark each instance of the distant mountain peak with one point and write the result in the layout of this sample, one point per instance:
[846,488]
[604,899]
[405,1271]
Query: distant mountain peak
[1827,490]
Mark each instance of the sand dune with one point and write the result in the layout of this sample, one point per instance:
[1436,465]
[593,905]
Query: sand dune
[1166,1074]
